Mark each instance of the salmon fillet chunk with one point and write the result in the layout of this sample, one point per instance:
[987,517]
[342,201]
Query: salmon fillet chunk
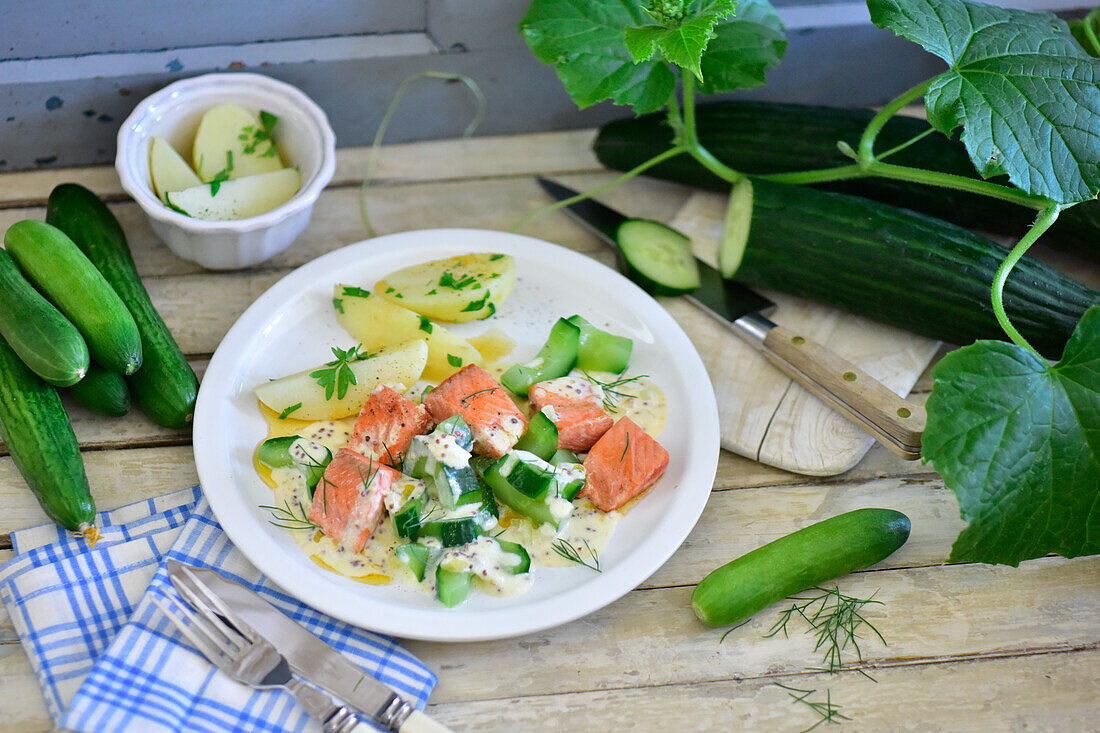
[622,464]
[576,409]
[349,500]
[495,421]
[386,426]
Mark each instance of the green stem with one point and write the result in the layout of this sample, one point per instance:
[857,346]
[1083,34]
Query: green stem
[961,183]
[1046,218]
[640,168]
[911,141]
[691,138]
[823,175]
[867,141]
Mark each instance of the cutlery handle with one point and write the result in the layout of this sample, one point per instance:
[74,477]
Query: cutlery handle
[418,722]
[895,421]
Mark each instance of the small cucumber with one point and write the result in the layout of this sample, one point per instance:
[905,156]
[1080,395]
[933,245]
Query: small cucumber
[812,555]
[65,275]
[165,388]
[41,442]
[101,391]
[45,340]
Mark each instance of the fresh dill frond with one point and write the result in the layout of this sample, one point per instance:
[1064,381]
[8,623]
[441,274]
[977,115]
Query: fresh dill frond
[835,619]
[285,517]
[611,392]
[571,553]
[827,711]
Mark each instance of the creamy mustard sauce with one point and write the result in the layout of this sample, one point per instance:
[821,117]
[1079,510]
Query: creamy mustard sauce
[588,530]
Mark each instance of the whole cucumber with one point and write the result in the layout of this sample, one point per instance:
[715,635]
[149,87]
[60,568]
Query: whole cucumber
[101,391]
[165,388]
[812,555]
[64,274]
[36,430]
[45,340]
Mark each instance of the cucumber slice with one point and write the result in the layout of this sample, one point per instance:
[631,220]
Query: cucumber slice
[520,551]
[555,359]
[453,532]
[657,257]
[451,586]
[416,557]
[541,437]
[406,520]
[600,351]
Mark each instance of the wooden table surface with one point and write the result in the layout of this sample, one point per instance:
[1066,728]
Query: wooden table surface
[969,647]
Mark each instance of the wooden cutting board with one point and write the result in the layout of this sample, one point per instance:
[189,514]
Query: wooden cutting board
[763,414]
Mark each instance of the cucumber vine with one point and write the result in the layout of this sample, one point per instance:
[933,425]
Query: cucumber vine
[1026,96]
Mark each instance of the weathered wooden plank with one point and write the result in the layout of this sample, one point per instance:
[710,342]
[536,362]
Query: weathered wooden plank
[650,637]
[23,707]
[1049,692]
[117,477]
[477,157]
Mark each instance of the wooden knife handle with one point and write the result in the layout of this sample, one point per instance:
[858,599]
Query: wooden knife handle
[897,422]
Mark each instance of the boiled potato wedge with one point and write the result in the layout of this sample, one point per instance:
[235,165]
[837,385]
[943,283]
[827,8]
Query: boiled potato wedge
[168,169]
[232,141]
[376,323]
[239,199]
[456,289]
[401,364]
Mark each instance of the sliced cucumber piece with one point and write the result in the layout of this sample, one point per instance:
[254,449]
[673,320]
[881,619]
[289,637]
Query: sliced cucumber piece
[416,557]
[601,351]
[555,359]
[451,586]
[657,257]
[541,437]
[520,551]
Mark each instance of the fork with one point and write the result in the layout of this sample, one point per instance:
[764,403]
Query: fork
[236,649]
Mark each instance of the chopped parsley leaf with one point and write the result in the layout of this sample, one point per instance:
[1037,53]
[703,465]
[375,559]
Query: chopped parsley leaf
[455,361]
[356,292]
[425,324]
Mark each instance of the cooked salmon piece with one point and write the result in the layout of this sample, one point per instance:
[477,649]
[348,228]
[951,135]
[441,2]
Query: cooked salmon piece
[622,464]
[495,421]
[386,426]
[576,409]
[349,500]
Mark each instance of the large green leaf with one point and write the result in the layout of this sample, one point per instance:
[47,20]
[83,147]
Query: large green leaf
[743,49]
[1023,89]
[583,39]
[1018,441]
[617,50]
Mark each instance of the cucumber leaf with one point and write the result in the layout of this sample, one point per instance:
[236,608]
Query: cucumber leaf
[1087,32]
[1018,441]
[743,49]
[621,50]
[1023,89]
[681,41]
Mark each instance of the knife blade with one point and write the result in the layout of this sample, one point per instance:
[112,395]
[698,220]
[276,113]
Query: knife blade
[891,419]
[308,656]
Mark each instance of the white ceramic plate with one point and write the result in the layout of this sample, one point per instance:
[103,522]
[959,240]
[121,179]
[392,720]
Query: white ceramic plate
[292,327]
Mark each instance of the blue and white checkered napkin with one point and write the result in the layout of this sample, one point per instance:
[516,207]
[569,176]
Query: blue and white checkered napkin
[107,659]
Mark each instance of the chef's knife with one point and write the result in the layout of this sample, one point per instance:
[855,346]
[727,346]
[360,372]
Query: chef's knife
[309,657]
[893,420]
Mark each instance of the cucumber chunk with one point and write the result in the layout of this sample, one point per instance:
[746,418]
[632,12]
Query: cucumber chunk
[541,437]
[600,351]
[657,257]
[555,359]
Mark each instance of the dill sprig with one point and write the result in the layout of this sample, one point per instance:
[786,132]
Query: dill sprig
[835,619]
[571,553]
[611,392]
[827,711]
[284,517]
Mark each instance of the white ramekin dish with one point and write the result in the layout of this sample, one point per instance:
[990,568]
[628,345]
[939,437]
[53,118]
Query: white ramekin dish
[303,137]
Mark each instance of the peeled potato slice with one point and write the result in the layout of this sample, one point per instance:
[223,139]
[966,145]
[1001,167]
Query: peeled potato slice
[168,169]
[402,364]
[239,199]
[231,139]
[376,322]
[456,289]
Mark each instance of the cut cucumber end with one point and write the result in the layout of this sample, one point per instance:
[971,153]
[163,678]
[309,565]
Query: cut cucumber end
[735,231]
